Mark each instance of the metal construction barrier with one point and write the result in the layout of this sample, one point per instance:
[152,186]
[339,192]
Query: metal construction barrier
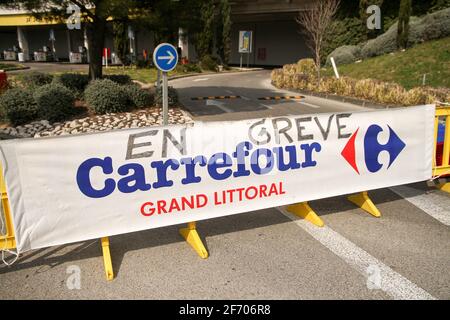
[303,210]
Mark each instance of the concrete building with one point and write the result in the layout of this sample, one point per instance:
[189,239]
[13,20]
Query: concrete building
[276,37]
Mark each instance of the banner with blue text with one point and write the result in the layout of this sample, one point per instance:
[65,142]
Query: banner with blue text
[74,188]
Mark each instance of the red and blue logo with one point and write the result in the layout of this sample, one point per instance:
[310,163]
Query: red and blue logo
[372,148]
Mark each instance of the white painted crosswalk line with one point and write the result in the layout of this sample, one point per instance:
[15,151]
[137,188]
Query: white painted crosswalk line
[391,282]
[309,105]
[435,204]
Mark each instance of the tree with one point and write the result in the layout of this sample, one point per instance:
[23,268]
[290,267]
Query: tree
[316,22]
[403,23]
[205,38]
[225,11]
[121,42]
[94,16]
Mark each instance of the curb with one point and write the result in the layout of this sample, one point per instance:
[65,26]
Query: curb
[355,101]
[214,73]
[16,69]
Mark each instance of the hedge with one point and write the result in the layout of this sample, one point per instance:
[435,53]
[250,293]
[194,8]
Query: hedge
[54,102]
[106,96]
[18,106]
[367,89]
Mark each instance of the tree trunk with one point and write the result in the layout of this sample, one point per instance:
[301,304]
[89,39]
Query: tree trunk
[318,65]
[96,38]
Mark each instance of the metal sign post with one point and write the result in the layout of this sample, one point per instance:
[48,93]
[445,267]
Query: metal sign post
[165,58]
[165,93]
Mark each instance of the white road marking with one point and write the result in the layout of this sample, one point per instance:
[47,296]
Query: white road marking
[218,104]
[435,204]
[229,91]
[267,106]
[309,104]
[201,79]
[392,283]
[246,98]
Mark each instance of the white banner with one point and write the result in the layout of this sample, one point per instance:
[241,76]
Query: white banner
[75,188]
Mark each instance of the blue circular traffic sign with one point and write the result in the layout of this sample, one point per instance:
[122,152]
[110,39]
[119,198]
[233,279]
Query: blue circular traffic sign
[165,57]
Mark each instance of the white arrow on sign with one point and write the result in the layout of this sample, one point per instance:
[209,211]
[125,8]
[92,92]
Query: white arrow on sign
[218,104]
[170,57]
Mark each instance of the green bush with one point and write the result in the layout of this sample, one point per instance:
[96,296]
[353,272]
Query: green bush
[172,95]
[106,96]
[18,106]
[345,31]
[209,63]
[345,55]
[430,27]
[385,43]
[189,67]
[141,98]
[35,79]
[143,64]
[54,102]
[307,67]
[121,79]
[76,82]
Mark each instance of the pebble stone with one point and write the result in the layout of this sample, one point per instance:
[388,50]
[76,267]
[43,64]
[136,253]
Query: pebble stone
[112,121]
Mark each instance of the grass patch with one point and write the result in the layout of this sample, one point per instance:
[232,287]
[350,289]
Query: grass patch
[10,66]
[145,75]
[406,68]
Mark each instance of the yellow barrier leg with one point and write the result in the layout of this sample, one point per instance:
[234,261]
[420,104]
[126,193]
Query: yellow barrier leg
[190,234]
[107,259]
[444,187]
[7,241]
[363,201]
[303,210]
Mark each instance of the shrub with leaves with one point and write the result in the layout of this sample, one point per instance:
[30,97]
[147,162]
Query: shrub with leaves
[209,63]
[35,79]
[140,98]
[54,102]
[189,67]
[367,89]
[106,96]
[121,79]
[307,66]
[345,55]
[172,96]
[76,82]
[17,106]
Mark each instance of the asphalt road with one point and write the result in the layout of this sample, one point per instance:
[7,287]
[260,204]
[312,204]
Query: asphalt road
[49,67]
[250,87]
[268,254]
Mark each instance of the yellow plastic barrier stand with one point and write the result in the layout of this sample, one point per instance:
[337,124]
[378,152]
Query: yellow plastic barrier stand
[191,236]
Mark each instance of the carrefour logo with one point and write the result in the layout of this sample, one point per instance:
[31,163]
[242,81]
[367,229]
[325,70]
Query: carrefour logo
[372,148]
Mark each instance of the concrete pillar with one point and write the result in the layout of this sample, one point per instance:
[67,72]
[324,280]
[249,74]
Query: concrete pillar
[23,43]
[132,39]
[183,43]
[69,41]
[86,43]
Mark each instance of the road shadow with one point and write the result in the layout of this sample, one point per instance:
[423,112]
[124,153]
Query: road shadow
[248,101]
[49,258]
